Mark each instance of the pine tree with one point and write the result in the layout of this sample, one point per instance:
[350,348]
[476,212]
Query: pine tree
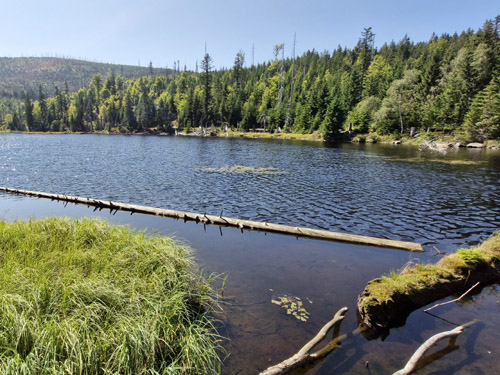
[206,78]
[44,115]
[483,119]
[333,120]
[128,115]
[28,112]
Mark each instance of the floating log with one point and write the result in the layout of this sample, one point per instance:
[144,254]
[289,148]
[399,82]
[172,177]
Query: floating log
[225,221]
[382,306]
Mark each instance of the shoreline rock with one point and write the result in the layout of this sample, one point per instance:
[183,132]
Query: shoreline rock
[475,145]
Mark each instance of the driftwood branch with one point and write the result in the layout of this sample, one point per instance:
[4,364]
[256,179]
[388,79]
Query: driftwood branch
[417,356]
[225,221]
[304,355]
[455,300]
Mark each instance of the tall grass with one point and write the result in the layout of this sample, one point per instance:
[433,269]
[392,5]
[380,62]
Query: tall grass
[85,297]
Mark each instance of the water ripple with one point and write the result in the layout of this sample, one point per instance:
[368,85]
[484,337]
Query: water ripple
[374,190]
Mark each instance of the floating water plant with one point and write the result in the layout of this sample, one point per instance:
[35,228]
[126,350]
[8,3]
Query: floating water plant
[238,169]
[439,161]
[293,306]
[85,297]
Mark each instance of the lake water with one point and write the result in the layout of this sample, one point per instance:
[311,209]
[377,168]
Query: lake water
[443,201]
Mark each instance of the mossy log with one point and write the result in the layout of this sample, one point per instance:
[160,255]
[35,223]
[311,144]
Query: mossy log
[387,301]
[225,221]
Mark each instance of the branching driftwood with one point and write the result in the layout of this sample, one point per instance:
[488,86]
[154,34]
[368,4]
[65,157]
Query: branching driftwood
[417,356]
[304,355]
[455,300]
[224,221]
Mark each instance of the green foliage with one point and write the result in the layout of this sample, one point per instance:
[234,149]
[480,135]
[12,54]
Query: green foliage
[363,114]
[84,297]
[399,109]
[482,122]
[377,78]
[333,119]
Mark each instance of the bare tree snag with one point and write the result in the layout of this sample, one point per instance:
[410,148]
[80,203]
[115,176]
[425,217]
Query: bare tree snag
[417,356]
[304,355]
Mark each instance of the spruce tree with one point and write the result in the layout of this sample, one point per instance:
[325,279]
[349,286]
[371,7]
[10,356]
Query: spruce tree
[206,78]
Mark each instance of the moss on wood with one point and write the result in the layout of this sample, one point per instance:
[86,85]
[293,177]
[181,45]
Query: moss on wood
[388,300]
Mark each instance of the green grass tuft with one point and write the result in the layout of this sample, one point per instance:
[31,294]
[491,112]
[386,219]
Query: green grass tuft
[85,297]
[472,256]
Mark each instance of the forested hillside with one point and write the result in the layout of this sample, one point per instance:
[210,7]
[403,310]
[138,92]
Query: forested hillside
[449,84]
[20,75]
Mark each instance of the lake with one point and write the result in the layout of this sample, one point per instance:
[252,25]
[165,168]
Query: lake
[442,201]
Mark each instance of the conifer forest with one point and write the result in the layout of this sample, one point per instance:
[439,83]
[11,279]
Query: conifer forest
[449,84]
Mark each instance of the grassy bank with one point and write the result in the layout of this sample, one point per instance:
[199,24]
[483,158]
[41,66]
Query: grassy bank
[267,135]
[387,301]
[85,297]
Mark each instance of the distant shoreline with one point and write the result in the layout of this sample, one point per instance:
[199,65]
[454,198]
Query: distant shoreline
[437,141]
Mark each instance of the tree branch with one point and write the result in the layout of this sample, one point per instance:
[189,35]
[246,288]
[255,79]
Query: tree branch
[304,355]
[455,300]
[412,363]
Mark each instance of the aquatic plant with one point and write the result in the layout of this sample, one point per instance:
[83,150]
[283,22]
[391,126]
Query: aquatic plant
[239,169]
[472,256]
[85,297]
[293,306]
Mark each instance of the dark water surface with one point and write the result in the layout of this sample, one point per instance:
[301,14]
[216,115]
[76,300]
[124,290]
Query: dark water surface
[447,201]
[376,190]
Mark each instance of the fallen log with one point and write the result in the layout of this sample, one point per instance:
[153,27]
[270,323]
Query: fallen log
[304,355]
[429,343]
[225,221]
[387,301]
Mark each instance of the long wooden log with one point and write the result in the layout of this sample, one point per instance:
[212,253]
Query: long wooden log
[225,221]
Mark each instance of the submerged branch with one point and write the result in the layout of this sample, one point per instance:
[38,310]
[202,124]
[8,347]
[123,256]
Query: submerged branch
[304,355]
[420,352]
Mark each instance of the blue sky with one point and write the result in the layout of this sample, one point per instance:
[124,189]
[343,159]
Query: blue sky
[139,31]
